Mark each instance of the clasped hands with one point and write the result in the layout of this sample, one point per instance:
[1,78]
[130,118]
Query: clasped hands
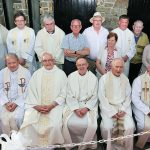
[119,115]
[44,109]
[10,106]
[81,112]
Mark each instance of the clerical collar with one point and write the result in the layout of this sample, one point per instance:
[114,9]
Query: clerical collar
[52,32]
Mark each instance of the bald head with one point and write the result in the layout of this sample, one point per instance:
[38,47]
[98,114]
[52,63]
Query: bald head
[117,66]
[48,61]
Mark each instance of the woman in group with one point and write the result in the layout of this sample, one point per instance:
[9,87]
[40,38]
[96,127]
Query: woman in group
[107,54]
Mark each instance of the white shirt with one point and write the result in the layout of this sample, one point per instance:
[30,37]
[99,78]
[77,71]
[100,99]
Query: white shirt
[126,42]
[96,40]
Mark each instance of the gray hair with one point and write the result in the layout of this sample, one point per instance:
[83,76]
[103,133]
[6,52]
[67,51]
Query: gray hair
[48,17]
[12,55]
[138,22]
[77,21]
[115,60]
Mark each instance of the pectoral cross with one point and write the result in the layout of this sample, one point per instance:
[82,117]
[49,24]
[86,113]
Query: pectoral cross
[22,84]
[7,87]
[145,89]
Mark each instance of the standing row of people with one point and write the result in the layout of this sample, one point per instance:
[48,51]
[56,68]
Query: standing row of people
[66,48]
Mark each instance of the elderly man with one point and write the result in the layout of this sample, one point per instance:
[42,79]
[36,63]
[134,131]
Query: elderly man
[49,40]
[80,113]
[44,104]
[141,105]
[126,42]
[13,83]
[20,40]
[141,40]
[97,37]
[3,47]
[74,45]
[115,103]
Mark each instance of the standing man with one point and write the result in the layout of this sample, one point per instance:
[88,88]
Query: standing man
[141,106]
[44,104]
[74,45]
[49,40]
[80,113]
[115,103]
[3,46]
[126,42]
[20,40]
[97,38]
[141,40]
[13,84]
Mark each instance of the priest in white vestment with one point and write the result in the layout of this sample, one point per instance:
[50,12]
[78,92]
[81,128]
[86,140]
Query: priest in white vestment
[13,84]
[3,46]
[44,105]
[20,40]
[115,104]
[49,40]
[80,112]
[141,105]
[126,42]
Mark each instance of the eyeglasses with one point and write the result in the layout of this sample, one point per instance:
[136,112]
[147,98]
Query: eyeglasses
[48,60]
[81,65]
[19,20]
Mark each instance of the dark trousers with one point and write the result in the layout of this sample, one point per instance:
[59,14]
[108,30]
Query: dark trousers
[69,67]
[134,71]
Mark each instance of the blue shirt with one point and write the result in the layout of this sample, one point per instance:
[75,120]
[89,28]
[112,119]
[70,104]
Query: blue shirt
[74,43]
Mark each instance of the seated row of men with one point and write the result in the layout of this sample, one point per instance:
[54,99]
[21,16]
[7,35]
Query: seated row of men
[50,108]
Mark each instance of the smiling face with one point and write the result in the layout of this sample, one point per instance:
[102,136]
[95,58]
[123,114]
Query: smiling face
[137,28]
[20,22]
[82,66]
[123,23]
[76,26]
[12,63]
[48,61]
[97,22]
[111,42]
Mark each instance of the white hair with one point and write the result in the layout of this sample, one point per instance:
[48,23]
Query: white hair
[138,22]
[48,17]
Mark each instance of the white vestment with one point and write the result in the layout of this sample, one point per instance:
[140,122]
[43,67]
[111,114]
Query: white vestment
[45,87]
[96,40]
[126,44]
[117,100]
[21,42]
[140,108]
[13,89]
[47,42]
[81,92]
[3,47]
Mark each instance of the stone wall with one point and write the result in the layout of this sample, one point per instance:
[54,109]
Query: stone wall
[2,19]
[46,6]
[111,10]
[21,5]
